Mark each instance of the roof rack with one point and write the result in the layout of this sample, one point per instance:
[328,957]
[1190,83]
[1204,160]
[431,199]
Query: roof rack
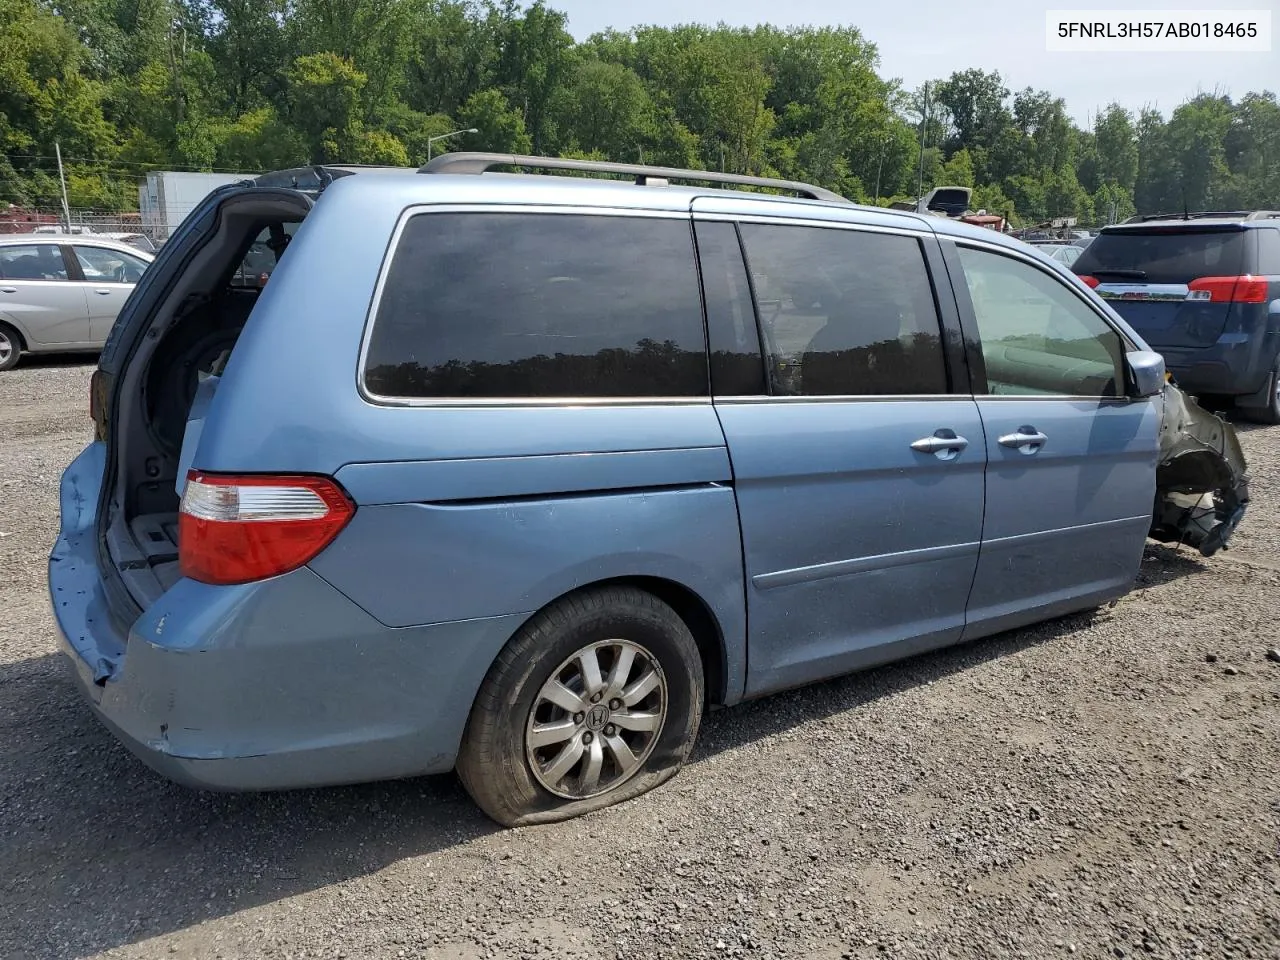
[1209,214]
[477,163]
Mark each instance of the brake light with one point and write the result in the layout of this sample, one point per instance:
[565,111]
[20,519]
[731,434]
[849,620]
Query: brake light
[1246,289]
[237,529]
[1091,281]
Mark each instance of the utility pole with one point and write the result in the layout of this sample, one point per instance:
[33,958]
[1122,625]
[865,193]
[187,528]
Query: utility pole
[884,140]
[924,122]
[66,208]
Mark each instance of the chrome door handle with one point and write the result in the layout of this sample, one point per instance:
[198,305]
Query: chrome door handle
[8,289]
[1026,440]
[944,444]
[101,291]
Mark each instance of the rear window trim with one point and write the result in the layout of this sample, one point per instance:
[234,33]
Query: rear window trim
[426,209]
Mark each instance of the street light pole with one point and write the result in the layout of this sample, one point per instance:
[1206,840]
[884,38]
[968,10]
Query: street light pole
[446,136]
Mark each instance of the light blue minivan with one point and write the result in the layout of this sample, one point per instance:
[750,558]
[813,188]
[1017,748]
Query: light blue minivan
[516,473]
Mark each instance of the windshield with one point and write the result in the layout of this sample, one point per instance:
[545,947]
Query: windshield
[1164,256]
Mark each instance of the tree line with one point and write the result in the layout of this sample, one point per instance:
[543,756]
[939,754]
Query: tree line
[126,86]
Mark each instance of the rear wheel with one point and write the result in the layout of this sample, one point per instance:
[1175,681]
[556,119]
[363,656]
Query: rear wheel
[596,700]
[1270,412]
[10,347]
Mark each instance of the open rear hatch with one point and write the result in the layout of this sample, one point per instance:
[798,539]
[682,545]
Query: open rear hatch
[159,369]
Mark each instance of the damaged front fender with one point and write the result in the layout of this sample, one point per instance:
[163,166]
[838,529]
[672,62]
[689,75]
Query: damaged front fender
[1202,480]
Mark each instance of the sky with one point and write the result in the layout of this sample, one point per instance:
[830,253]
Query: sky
[923,40]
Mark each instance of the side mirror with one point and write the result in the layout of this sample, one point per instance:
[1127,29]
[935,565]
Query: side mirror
[1146,373]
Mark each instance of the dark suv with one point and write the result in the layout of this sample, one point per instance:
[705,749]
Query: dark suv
[1204,290]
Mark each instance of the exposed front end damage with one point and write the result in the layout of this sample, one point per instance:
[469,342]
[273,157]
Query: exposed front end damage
[1202,483]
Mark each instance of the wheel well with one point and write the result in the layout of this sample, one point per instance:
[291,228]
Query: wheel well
[22,342]
[696,615]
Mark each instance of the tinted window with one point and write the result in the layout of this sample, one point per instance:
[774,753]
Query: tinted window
[35,261]
[844,312]
[1269,252]
[1038,337]
[737,367]
[102,265]
[532,305]
[1164,256]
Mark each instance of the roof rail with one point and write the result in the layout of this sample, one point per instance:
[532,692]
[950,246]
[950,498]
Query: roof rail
[1209,214]
[477,163]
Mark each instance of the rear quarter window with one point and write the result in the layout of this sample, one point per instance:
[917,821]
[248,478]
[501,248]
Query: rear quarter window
[1269,252]
[1164,256]
[512,305]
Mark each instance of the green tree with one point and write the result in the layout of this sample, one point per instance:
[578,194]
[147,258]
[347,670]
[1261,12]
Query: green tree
[1156,186]
[500,128]
[1117,147]
[1252,152]
[1196,136]
[605,108]
[957,171]
[975,102]
[535,60]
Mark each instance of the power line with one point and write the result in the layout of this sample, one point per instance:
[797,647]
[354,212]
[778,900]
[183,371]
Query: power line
[178,168]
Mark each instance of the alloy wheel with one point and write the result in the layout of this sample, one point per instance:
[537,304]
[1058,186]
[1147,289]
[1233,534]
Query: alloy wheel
[596,719]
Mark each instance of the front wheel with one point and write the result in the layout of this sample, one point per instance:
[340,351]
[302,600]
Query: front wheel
[596,700]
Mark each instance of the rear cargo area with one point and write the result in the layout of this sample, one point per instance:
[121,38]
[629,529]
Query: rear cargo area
[175,352]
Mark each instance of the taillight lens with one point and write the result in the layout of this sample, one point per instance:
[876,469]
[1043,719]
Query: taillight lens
[1246,289]
[237,529]
[1091,281]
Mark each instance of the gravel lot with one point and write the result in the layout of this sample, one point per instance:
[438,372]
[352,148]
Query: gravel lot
[1103,786]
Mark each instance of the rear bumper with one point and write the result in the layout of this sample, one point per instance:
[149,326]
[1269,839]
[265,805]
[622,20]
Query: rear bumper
[274,685]
[1230,369]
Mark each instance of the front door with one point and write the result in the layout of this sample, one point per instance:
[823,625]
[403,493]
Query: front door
[109,276]
[859,474]
[38,296]
[1070,460]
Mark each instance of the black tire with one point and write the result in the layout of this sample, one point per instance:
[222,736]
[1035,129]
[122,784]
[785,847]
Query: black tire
[9,337]
[1270,413]
[493,764]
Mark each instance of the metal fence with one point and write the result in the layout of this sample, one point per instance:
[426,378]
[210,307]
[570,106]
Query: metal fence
[46,220]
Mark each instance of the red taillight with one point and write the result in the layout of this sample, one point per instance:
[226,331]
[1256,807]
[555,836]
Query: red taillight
[1091,281]
[1246,289]
[236,529]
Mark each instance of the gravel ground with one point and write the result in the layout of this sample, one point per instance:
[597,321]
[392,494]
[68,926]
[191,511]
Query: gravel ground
[1099,786]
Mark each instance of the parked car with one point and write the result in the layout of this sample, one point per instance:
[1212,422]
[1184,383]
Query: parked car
[59,296]
[514,474]
[1065,253]
[139,240]
[1204,290]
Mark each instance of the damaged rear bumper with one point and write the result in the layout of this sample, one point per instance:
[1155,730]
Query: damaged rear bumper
[1202,479]
[277,684]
